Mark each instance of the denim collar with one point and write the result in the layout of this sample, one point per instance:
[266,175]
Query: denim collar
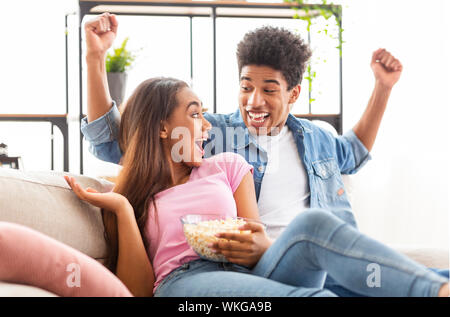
[295,125]
[237,122]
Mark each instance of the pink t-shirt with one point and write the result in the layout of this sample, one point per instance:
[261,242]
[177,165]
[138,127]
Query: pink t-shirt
[209,190]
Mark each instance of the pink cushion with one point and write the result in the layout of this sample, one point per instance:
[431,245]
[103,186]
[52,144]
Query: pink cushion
[32,258]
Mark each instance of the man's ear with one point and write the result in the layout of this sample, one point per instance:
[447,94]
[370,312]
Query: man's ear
[163,131]
[295,93]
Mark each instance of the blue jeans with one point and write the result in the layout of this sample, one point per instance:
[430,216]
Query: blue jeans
[315,243]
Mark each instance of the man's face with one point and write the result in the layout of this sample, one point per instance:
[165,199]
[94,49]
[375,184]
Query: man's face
[264,99]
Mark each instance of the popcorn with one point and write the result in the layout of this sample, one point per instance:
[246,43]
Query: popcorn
[200,234]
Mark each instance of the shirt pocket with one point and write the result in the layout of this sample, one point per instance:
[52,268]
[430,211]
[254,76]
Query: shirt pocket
[328,181]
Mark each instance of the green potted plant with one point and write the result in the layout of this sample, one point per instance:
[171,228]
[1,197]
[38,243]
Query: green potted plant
[117,65]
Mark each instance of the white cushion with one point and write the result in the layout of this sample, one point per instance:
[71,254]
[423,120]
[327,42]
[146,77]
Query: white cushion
[44,201]
[430,257]
[19,290]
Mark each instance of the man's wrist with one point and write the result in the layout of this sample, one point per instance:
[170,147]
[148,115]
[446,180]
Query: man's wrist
[379,86]
[95,57]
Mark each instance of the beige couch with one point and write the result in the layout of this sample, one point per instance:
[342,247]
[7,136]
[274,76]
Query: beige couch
[43,201]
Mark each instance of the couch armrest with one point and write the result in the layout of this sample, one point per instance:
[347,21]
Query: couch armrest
[20,290]
[430,257]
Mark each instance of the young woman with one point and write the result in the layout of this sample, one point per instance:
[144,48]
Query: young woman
[165,177]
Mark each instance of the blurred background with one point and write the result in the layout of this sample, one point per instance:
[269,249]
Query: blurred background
[400,197]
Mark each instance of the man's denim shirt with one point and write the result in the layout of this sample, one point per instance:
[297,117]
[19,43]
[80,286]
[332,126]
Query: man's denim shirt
[325,157]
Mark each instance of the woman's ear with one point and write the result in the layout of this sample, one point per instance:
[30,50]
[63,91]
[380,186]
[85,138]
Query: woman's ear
[164,131]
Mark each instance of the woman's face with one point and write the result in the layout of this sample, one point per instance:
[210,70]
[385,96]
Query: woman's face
[186,129]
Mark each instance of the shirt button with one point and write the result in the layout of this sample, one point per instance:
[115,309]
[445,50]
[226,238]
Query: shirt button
[261,168]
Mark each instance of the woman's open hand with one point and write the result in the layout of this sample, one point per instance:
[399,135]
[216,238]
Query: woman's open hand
[244,249]
[110,201]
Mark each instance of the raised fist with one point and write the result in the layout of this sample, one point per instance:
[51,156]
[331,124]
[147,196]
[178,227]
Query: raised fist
[100,33]
[386,68]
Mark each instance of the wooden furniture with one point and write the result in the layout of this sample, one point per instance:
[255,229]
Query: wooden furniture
[58,120]
[11,162]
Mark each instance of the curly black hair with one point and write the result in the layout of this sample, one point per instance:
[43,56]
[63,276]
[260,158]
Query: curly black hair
[277,48]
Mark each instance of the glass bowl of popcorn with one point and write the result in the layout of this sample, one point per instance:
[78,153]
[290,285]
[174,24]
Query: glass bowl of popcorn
[200,231]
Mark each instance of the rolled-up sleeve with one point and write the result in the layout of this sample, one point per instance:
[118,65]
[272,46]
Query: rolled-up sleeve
[103,129]
[108,152]
[351,144]
[102,135]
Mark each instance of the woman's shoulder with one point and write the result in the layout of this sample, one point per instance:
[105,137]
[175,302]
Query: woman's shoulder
[229,165]
[226,157]
[227,162]
[224,161]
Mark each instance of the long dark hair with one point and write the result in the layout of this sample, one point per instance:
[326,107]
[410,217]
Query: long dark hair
[145,170]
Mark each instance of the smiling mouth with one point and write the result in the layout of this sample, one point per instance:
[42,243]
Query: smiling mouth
[258,117]
[199,145]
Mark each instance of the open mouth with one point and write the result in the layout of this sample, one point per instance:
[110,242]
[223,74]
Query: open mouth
[258,117]
[199,145]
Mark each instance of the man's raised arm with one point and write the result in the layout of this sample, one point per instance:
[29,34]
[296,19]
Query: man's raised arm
[101,125]
[387,70]
[100,34]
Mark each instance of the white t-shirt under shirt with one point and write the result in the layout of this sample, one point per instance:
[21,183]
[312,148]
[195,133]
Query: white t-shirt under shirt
[284,189]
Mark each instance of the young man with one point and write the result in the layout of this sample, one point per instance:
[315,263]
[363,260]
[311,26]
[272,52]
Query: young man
[297,165]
